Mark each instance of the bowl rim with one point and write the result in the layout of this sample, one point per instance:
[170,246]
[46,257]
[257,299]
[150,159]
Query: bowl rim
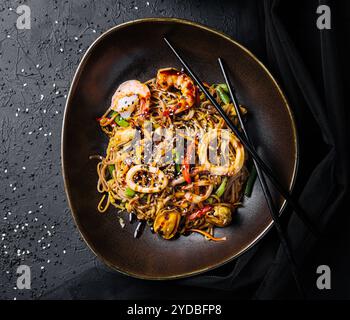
[63,137]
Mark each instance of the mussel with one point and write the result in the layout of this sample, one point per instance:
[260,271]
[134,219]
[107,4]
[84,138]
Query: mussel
[166,223]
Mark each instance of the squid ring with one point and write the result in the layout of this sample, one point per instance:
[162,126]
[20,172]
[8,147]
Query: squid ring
[162,180]
[231,168]
[195,198]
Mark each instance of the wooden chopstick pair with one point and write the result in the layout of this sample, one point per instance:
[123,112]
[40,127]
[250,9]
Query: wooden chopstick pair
[258,163]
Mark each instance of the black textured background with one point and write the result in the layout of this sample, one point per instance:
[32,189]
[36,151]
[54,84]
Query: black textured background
[36,68]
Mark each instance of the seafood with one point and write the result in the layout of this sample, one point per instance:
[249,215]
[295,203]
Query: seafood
[171,78]
[162,180]
[129,95]
[167,223]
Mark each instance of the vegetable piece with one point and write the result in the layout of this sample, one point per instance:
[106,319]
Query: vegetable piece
[186,172]
[220,191]
[121,121]
[208,235]
[111,168]
[129,192]
[200,213]
[186,164]
[223,95]
[250,183]
[177,160]
[223,86]
[109,120]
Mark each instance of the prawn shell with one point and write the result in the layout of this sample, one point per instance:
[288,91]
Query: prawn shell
[128,89]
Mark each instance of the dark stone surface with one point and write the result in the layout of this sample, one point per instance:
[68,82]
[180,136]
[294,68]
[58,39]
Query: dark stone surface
[36,68]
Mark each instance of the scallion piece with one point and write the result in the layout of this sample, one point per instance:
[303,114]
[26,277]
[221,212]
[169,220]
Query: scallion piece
[223,86]
[250,183]
[223,95]
[129,192]
[177,160]
[121,121]
[220,191]
[111,168]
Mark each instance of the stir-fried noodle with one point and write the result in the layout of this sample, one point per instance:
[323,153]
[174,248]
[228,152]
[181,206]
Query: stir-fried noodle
[171,159]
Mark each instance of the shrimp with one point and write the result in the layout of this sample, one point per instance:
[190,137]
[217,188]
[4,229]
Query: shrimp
[130,94]
[170,77]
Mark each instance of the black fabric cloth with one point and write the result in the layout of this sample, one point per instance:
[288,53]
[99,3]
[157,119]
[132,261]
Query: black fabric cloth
[307,63]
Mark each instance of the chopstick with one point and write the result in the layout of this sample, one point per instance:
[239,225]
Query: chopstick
[273,210]
[269,173]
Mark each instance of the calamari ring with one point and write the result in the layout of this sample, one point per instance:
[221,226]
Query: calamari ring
[231,168]
[195,198]
[162,180]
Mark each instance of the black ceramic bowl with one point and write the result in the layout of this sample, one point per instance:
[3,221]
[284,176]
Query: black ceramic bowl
[135,50]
